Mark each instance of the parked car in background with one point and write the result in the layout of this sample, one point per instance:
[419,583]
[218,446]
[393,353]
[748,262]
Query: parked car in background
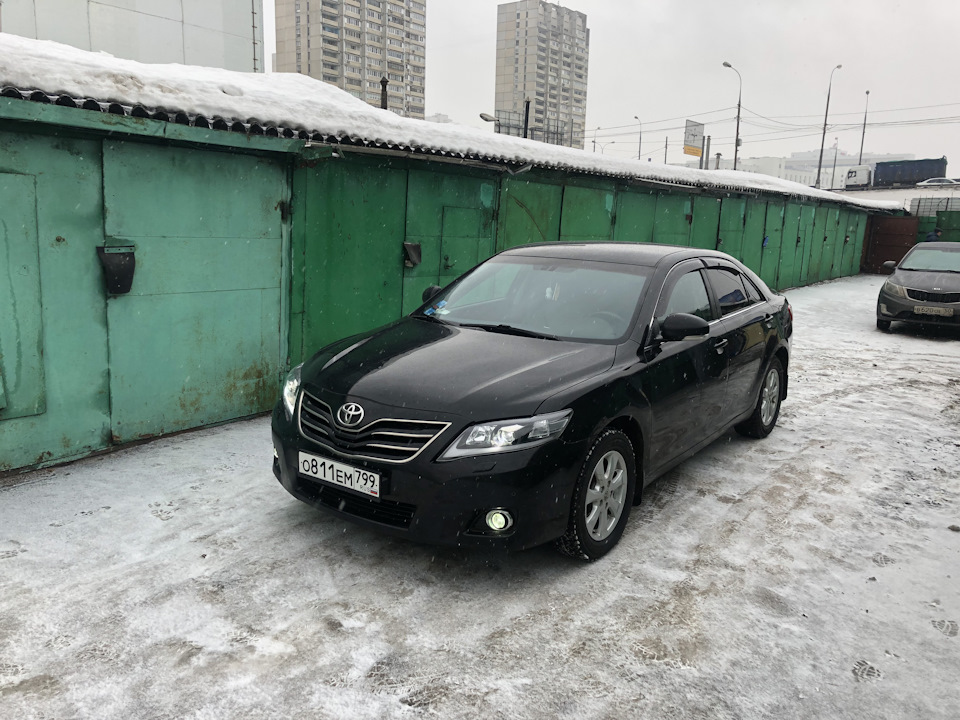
[924,288]
[532,399]
[940,182]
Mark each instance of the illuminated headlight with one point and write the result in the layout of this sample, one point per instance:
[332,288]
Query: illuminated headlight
[507,435]
[291,387]
[891,288]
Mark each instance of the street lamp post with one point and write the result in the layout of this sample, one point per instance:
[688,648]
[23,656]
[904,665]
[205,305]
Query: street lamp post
[736,141]
[833,175]
[825,114]
[864,135]
[603,145]
[595,139]
[639,138]
[486,117]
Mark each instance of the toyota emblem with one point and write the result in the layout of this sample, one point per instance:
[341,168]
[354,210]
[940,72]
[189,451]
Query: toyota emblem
[350,414]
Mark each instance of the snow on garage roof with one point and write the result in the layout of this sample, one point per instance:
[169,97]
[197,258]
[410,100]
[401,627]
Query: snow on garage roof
[293,105]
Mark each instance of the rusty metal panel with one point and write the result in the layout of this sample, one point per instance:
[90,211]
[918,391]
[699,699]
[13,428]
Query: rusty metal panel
[207,282]
[751,253]
[806,232]
[66,224]
[705,228]
[22,388]
[674,217]
[451,217]
[790,247]
[771,245]
[529,212]
[636,212]
[733,212]
[888,238]
[352,278]
[587,214]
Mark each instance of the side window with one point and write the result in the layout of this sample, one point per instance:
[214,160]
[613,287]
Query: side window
[688,295]
[732,294]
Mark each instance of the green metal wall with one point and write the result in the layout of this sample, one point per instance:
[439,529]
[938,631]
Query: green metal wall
[198,339]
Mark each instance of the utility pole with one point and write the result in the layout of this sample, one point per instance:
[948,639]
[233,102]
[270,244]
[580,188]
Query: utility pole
[666,141]
[824,137]
[864,135]
[639,138]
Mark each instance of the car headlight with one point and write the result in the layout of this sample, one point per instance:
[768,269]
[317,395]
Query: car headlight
[291,387]
[507,435]
[891,288]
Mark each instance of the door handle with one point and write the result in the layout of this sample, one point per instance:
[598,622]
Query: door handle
[719,345]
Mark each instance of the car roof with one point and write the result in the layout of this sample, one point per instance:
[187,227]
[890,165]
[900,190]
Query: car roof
[627,253]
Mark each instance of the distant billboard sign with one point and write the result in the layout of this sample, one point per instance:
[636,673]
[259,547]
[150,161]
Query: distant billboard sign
[693,138]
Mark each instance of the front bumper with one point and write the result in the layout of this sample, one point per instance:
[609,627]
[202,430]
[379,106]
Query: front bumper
[445,503]
[904,309]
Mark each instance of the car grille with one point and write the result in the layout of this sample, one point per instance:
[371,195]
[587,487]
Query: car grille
[389,440]
[924,296]
[391,513]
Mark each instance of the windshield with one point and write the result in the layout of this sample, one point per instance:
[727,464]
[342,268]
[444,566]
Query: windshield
[568,299]
[927,258]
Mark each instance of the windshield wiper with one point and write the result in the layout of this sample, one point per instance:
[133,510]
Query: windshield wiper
[510,330]
[433,318]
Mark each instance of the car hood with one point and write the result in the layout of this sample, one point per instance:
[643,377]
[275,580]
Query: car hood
[423,365]
[927,280]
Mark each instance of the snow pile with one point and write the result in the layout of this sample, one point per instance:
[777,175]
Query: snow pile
[297,101]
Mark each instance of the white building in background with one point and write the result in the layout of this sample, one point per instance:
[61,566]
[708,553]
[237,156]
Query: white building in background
[353,44]
[542,56]
[213,33]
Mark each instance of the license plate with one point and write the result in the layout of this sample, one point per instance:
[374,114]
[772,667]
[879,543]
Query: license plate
[336,473]
[924,310]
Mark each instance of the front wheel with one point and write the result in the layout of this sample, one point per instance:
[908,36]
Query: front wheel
[602,498]
[765,414]
[883,324]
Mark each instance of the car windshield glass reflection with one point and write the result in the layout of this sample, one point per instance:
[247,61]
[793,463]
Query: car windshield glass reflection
[938,259]
[553,298]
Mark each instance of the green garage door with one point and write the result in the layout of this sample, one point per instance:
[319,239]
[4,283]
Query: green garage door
[197,339]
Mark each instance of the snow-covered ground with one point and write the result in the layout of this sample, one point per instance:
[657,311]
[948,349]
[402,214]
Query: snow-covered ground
[813,574]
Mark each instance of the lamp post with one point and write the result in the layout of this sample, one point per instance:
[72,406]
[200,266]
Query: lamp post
[736,141]
[833,175]
[603,145]
[639,138]
[825,114]
[864,135]
[595,139]
[490,118]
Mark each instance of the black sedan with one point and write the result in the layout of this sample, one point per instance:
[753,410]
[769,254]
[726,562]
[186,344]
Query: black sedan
[532,400]
[924,288]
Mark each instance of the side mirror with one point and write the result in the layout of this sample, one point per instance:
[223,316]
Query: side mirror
[889,266]
[681,325]
[430,292]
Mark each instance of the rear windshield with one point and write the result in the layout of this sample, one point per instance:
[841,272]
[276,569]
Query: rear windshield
[927,258]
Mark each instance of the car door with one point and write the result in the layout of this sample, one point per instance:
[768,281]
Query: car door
[744,321]
[683,371]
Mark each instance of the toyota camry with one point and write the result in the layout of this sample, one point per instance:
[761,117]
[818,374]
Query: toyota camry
[535,397]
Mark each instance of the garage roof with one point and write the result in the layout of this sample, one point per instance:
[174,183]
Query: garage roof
[292,105]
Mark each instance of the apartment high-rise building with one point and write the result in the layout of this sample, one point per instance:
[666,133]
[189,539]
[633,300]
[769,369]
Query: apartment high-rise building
[215,33]
[542,52]
[354,43]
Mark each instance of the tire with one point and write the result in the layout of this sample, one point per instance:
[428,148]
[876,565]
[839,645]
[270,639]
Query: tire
[767,410]
[883,325]
[602,498]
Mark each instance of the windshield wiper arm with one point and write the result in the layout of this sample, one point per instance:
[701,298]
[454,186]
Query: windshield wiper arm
[433,318]
[510,330]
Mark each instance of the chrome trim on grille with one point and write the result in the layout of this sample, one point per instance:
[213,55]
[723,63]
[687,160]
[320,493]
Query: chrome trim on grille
[320,426]
[949,298]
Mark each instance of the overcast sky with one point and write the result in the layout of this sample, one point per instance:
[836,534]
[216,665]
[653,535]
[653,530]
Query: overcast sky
[662,60]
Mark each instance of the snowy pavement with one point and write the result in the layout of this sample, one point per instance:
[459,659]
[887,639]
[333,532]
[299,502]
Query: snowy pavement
[813,574]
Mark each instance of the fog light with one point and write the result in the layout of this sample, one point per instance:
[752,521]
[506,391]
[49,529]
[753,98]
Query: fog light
[275,455]
[883,309]
[499,520]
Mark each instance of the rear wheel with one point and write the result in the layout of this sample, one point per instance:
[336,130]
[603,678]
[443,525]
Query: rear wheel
[602,498]
[765,414]
[883,324]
